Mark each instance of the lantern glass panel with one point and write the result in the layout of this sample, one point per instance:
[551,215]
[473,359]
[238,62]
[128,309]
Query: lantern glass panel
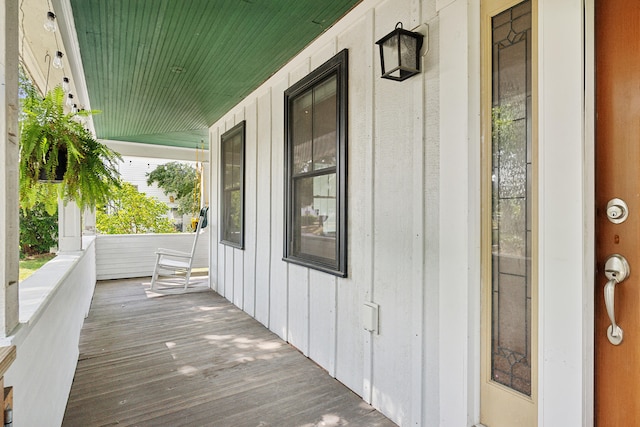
[408,54]
[390,56]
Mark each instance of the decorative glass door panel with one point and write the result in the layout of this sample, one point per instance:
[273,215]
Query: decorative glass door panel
[511,195]
[509,310]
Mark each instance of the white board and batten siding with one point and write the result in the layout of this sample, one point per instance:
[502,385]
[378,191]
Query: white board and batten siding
[133,255]
[319,313]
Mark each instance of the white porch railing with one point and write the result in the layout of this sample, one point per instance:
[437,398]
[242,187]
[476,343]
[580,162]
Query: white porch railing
[122,256]
[54,302]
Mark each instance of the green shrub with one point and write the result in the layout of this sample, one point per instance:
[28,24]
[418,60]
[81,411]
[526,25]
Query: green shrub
[132,212]
[38,230]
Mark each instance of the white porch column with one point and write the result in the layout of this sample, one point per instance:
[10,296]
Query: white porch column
[9,222]
[89,222]
[69,227]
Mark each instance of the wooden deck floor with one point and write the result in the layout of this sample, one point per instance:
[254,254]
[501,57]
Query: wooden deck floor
[196,360]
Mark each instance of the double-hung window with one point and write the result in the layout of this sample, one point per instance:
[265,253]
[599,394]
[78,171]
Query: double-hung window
[316,168]
[232,186]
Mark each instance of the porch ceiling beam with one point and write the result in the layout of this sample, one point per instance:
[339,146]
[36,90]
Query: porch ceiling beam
[155,151]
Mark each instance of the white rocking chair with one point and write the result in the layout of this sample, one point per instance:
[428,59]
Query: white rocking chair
[174,262]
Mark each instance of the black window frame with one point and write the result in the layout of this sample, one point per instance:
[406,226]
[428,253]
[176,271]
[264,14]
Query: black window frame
[338,67]
[229,135]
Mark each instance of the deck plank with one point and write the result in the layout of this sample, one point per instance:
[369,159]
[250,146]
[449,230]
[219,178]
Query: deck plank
[196,360]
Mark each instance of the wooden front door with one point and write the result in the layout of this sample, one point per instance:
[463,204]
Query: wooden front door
[617,367]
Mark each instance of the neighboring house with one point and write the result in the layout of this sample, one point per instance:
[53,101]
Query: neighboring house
[443,253]
[135,169]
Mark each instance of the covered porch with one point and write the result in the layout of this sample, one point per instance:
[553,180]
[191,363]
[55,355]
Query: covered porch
[400,324]
[196,359]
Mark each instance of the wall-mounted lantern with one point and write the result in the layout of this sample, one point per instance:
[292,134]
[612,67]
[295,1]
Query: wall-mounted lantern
[400,53]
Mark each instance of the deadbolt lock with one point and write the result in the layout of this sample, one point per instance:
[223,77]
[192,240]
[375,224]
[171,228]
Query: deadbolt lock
[617,211]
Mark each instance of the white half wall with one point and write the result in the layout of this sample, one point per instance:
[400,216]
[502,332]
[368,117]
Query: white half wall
[122,256]
[54,303]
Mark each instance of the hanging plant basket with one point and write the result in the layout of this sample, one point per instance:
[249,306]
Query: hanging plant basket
[57,175]
[55,147]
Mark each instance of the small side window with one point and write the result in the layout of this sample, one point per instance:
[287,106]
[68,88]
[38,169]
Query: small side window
[232,186]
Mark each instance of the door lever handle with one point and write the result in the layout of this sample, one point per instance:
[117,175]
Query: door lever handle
[617,270]
[614,332]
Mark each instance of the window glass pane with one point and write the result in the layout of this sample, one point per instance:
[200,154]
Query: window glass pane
[315,220]
[232,216]
[324,124]
[301,132]
[231,186]
[227,151]
[232,161]
[511,199]
[236,147]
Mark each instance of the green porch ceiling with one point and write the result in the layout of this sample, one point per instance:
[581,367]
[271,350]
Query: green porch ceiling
[163,71]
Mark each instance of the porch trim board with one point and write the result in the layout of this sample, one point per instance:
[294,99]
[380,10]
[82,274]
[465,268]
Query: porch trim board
[566,245]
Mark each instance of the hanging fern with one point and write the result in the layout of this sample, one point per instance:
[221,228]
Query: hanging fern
[47,131]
